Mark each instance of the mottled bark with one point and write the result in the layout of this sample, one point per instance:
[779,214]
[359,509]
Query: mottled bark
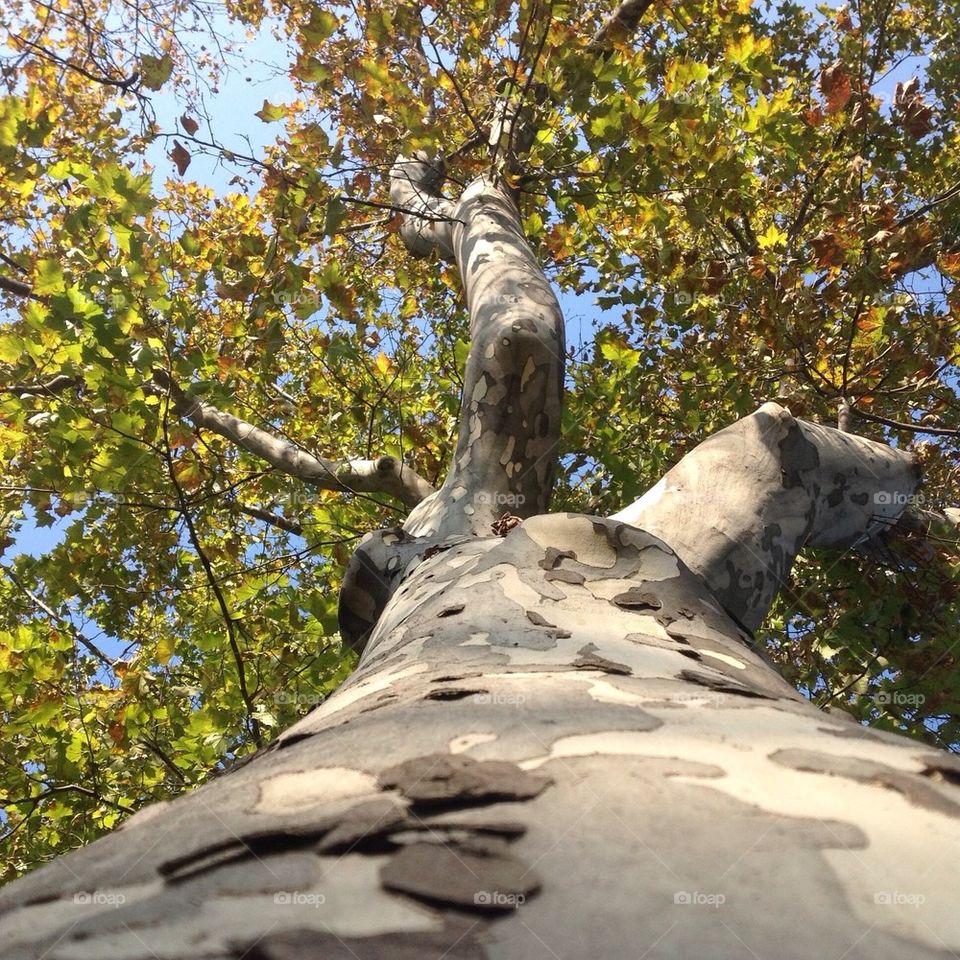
[512,395]
[557,745]
[742,504]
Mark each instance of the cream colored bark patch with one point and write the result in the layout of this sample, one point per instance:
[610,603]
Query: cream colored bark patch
[723,658]
[290,792]
[346,696]
[634,512]
[571,533]
[468,741]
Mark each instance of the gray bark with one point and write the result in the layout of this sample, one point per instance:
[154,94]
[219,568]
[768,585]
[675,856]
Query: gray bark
[559,742]
[557,745]
[740,507]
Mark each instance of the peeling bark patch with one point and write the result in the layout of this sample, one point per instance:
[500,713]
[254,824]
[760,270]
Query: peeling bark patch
[484,878]
[911,786]
[452,693]
[538,619]
[553,631]
[721,685]
[565,576]
[283,743]
[456,941]
[364,825]
[945,768]
[591,661]
[451,611]
[554,556]
[508,829]
[637,599]
[442,778]
[249,846]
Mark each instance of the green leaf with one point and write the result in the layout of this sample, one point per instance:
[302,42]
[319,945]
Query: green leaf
[155,71]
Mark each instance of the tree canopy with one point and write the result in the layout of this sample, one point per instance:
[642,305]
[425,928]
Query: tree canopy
[215,392]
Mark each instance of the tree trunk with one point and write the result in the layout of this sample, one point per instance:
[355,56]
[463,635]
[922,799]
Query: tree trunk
[560,740]
[557,745]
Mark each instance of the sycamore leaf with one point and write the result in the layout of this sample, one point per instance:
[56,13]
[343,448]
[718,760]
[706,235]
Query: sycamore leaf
[835,87]
[180,156]
[189,124]
[773,236]
[915,115]
[270,112]
[155,70]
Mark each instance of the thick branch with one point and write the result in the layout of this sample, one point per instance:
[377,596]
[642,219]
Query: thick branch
[620,26]
[510,412]
[414,186]
[53,387]
[740,506]
[16,287]
[383,475]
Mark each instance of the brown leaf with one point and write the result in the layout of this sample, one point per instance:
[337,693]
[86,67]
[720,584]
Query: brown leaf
[828,249]
[835,87]
[180,156]
[950,264]
[915,116]
[843,19]
[189,124]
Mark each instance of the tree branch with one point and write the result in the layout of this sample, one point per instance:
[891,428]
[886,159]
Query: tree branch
[60,621]
[253,724]
[911,427]
[620,26]
[291,526]
[739,507]
[513,382]
[16,287]
[383,475]
[51,388]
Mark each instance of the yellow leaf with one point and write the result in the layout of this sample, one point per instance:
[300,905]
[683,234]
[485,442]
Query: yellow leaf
[773,236]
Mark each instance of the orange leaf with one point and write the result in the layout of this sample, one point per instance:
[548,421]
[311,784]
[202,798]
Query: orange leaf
[835,86]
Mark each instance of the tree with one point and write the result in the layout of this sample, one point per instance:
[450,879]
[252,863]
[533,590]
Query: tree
[524,673]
